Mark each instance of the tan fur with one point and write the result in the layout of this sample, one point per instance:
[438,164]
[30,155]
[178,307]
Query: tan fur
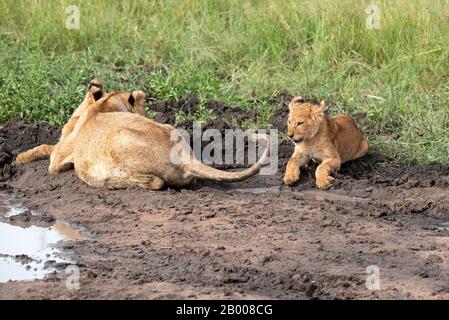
[120,101]
[328,140]
[119,149]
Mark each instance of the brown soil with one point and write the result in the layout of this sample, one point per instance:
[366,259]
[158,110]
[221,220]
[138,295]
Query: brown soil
[254,239]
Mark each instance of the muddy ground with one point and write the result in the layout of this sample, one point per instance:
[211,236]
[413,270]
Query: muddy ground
[254,239]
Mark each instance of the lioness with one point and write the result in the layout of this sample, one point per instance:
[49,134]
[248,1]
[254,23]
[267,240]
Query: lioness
[120,149]
[329,140]
[62,160]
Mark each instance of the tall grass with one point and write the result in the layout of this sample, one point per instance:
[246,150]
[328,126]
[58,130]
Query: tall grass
[243,53]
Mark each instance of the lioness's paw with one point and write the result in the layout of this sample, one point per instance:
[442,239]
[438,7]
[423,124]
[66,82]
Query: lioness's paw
[22,158]
[291,177]
[324,182]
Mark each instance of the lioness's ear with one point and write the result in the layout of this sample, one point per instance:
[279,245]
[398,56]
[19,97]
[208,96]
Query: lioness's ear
[96,87]
[131,99]
[90,98]
[95,83]
[136,98]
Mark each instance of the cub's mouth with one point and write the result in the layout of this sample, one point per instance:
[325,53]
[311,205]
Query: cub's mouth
[298,140]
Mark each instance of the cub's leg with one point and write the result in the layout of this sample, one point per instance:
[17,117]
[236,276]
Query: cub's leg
[292,171]
[322,174]
[362,149]
[40,152]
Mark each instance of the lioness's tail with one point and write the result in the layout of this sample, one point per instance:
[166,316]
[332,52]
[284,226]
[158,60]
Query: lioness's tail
[38,153]
[204,171]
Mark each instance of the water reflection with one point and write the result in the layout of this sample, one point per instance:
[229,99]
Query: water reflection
[25,250]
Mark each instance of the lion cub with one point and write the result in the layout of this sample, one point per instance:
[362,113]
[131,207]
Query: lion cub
[328,140]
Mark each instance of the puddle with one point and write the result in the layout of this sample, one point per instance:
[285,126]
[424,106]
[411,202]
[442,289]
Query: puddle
[443,226]
[9,208]
[28,253]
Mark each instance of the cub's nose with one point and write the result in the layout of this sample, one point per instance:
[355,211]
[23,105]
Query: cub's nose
[290,135]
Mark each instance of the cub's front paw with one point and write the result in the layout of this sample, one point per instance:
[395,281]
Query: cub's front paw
[291,177]
[324,182]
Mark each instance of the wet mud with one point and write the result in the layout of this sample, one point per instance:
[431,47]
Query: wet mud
[250,240]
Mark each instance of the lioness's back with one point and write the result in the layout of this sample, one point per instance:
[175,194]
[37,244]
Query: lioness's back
[120,143]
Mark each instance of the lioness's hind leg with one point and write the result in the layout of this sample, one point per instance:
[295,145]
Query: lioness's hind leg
[147,181]
[61,159]
[362,150]
[40,152]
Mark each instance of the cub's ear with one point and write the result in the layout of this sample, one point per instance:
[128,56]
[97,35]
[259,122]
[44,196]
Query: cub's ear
[319,113]
[295,100]
[298,99]
[323,106]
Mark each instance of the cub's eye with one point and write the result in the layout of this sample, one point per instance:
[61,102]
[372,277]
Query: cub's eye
[299,123]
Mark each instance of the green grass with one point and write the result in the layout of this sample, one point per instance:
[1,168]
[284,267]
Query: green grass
[243,53]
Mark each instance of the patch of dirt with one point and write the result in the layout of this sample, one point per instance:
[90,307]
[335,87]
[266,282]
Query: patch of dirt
[252,239]
[165,112]
[27,218]
[18,136]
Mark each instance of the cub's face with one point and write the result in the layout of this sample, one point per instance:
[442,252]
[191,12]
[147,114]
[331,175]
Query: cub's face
[304,119]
